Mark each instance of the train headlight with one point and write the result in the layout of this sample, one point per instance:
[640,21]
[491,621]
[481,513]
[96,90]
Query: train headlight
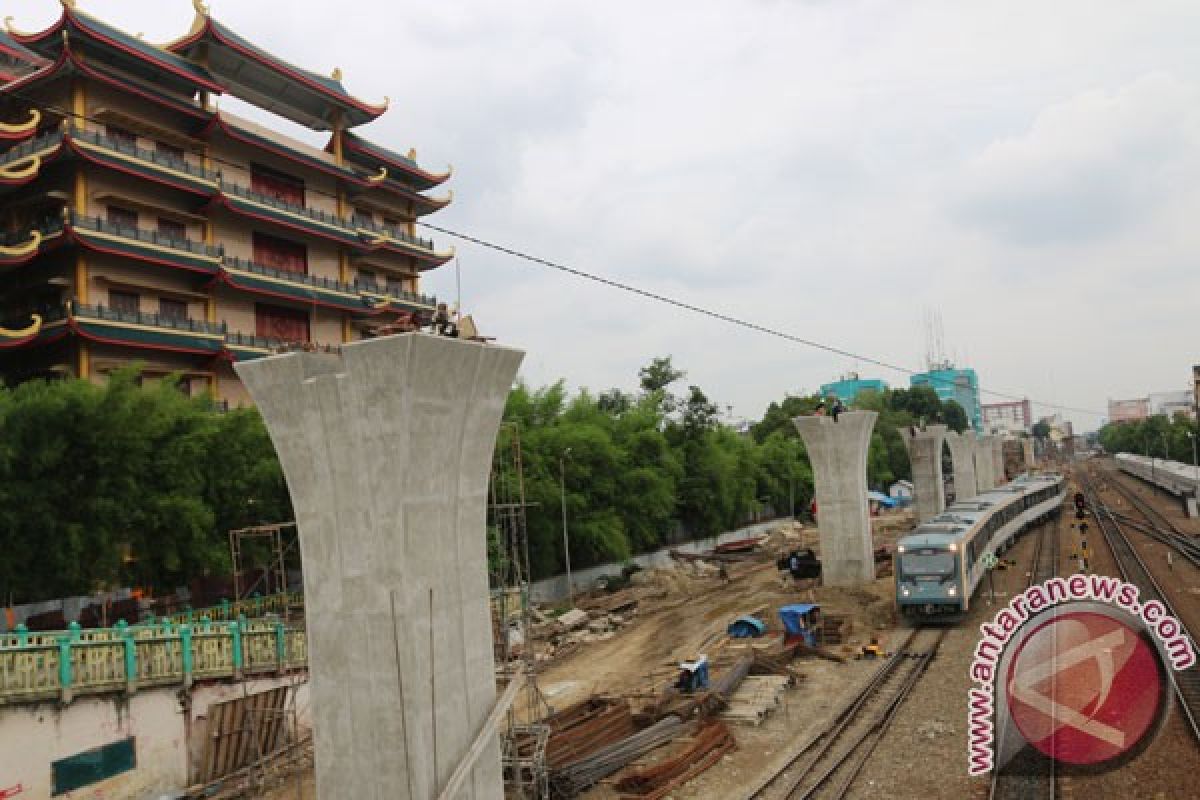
[952,591]
[899,548]
[904,591]
[952,547]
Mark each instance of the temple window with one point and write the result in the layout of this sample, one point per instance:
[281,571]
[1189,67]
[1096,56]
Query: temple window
[279,185]
[280,254]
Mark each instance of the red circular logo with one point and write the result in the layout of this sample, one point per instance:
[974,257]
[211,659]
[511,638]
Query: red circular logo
[1084,687]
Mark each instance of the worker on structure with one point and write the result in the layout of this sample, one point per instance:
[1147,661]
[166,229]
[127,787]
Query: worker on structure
[819,411]
[443,323]
[838,408]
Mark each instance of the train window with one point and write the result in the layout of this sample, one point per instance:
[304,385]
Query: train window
[927,562]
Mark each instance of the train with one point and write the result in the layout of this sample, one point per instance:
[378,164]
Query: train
[1170,476]
[939,566]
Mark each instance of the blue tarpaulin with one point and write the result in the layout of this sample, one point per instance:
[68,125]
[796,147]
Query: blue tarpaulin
[746,627]
[882,499]
[796,619]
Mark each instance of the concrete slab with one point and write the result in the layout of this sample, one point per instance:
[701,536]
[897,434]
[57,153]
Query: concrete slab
[387,450]
[962,456]
[838,453]
[925,455]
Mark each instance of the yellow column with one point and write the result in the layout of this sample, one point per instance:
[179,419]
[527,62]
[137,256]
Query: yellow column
[79,202]
[210,302]
[85,361]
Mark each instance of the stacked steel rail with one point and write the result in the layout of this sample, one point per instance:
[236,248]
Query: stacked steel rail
[1134,570]
[1011,781]
[828,766]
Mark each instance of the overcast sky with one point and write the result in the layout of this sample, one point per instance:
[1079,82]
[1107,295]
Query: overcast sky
[833,169]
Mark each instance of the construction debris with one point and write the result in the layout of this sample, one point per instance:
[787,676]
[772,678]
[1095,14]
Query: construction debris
[574,778]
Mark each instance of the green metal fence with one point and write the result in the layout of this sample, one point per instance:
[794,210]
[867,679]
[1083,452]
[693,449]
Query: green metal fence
[61,665]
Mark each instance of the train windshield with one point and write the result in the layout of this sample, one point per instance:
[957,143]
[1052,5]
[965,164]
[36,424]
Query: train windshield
[928,562]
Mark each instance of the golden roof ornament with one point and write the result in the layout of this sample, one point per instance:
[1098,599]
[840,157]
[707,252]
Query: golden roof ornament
[337,74]
[22,333]
[201,9]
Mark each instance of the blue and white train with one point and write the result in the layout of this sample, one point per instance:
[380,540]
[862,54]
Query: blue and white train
[1170,476]
[941,563]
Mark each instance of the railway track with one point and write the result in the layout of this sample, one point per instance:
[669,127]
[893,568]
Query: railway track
[1034,777]
[1156,525]
[1134,570]
[828,766]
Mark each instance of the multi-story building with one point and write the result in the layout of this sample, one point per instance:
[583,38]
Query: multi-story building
[1171,403]
[849,385]
[1014,417]
[142,224]
[1128,410]
[960,385]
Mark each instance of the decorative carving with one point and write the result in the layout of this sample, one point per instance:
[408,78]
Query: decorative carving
[337,73]
[375,180]
[20,250]
[13,173]
[35,118]
[201,9]
[30,330]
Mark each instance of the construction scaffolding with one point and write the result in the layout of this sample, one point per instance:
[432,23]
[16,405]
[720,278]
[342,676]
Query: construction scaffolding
[523,747]
[263,568]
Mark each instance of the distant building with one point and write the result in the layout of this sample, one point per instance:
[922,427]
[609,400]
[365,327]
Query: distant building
[901,490]
[849,385]
[1171,403]
[1061,430]
[1128,410]
[1014,417]
[960,385]
[1196,390]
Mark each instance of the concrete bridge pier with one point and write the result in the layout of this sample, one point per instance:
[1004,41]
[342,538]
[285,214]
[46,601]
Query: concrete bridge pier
[998,460]
[1027,448]
[387,449]
[981,446]
[838,452]
[925,455]
[962,456]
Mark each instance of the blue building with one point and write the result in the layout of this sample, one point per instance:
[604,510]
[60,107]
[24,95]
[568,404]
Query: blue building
[848,386]
[960,385]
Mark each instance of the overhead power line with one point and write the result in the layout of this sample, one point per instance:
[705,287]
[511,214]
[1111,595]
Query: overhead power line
[720,315]
[619,285]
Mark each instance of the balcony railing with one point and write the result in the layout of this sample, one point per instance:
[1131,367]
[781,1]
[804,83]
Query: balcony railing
[393,233]
[275,202]
[182,324]
[275,345]
[321,282]
[66,664]
[30,146]
[149,237]
[141,154]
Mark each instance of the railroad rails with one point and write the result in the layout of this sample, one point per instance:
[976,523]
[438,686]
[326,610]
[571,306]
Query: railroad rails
[1134,570]
[1032,777]
[829,764]
[1156,526]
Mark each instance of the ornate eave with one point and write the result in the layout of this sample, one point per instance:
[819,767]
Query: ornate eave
[327,294]
[95,149]
[373,156]
[251,73]
[98,237]
[116,47]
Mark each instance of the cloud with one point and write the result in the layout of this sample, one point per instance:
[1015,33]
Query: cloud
[1088,168]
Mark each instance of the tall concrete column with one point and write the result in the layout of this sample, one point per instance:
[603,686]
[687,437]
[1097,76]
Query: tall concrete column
[838,453]
[962,456]
[925,455]
[1027,448]
[998,460]
[985,478]
[387,450]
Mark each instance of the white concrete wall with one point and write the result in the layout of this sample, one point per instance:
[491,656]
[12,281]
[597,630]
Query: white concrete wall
[387,449]
[168,746]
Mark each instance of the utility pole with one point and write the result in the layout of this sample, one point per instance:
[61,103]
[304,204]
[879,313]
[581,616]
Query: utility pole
[1195,468]
[562,485]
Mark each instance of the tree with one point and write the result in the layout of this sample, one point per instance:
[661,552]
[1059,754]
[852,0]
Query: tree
[955,417]
[658,375]
[1041,429]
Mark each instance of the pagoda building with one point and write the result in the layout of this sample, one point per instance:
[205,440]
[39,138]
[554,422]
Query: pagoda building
[138,223]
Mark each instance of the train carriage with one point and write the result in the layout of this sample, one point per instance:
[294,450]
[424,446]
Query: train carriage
[940,565]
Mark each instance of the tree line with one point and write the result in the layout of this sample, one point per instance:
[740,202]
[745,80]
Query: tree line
[125,485]
[121,484]
[1157,436]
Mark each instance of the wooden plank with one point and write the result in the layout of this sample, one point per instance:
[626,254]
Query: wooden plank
[488,729]
[212,728]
